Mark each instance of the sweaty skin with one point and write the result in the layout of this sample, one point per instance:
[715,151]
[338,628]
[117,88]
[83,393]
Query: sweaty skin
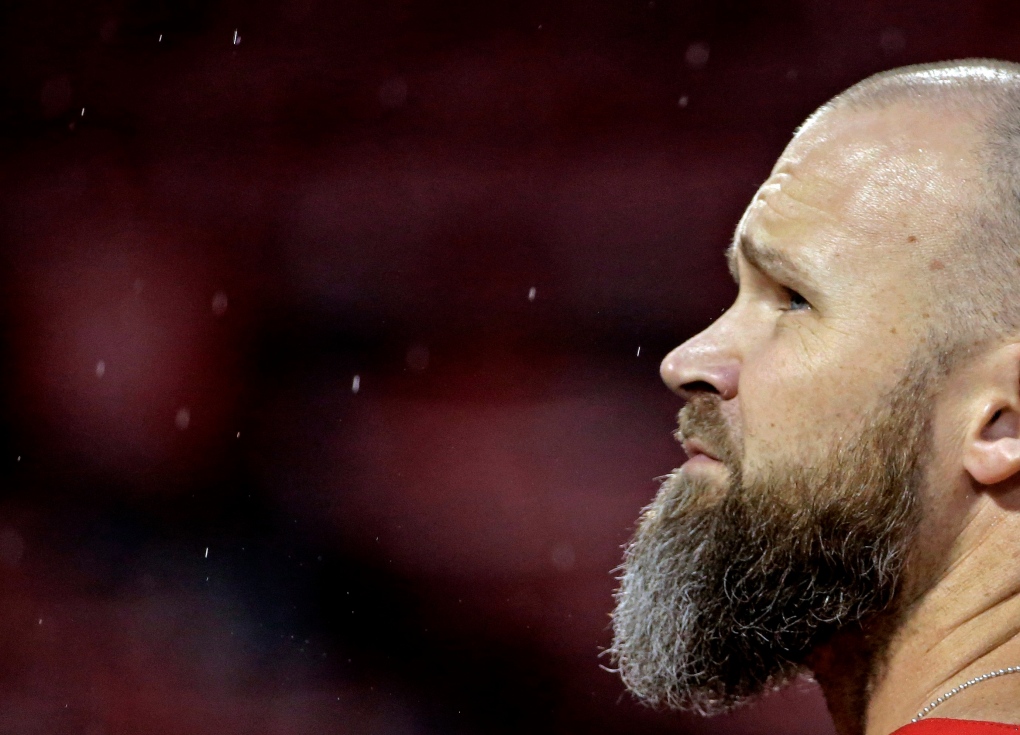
[842,259]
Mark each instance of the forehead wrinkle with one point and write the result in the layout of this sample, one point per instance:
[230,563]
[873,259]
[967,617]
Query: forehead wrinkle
[764,258]
[796,191]
[755,233]
[731,259]
[805,204]
[897,159]
[838,187]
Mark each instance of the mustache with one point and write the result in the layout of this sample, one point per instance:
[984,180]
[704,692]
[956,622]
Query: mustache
[703,418]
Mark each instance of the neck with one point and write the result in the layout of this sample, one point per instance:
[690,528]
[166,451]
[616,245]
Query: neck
[966,624]
[845,669]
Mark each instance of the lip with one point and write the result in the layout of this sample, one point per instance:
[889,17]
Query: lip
[695,450]
[699,455]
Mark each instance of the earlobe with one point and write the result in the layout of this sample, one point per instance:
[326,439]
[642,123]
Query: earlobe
[993,453]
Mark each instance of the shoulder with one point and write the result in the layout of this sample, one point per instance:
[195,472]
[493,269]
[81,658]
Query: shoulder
[940,726]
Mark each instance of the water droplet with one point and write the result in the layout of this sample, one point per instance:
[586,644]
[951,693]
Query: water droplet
[563,557]
[183,418]
[138,285]
[356,384]
[108,30]
[393,93]
[791,75]
[639,351]
[100,369]
[696,55]
[237,38]
[892,40]
[12,547]
[682,102]
[206,553]
[160,38]
[532,293]
[219,303]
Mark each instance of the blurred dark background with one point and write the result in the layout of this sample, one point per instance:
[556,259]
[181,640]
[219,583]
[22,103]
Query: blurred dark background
[329,335]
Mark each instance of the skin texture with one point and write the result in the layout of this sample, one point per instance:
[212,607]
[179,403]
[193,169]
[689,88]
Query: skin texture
[842,272]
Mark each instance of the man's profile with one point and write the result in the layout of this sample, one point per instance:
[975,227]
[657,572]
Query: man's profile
[851,502]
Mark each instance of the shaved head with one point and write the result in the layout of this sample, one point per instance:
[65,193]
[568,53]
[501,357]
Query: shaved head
[841,411]
[975,283]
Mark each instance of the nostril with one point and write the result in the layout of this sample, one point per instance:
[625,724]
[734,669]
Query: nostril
[699,386]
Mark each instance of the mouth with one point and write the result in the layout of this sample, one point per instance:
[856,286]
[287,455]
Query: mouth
[696,451]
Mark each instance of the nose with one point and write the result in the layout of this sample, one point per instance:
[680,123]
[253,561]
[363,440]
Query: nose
[706,363]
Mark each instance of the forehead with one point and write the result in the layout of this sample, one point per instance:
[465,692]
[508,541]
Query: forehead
[874,189]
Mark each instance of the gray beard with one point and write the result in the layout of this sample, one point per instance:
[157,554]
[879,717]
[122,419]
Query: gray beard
[725,591]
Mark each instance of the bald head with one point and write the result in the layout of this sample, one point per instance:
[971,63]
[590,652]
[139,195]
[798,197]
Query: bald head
[963,118]
[973,86]
[844,415]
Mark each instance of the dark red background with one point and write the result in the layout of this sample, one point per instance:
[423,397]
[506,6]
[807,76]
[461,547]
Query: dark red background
[207,236]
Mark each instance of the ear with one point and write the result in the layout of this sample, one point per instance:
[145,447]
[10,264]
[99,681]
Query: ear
[992,451]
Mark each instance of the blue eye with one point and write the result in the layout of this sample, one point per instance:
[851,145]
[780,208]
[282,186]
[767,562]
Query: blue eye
[797,302]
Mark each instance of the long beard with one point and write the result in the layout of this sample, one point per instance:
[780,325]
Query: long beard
[724,592]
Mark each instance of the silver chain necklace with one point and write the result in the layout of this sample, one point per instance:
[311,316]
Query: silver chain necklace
[965,685]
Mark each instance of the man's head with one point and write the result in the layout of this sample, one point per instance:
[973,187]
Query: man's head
[841,413]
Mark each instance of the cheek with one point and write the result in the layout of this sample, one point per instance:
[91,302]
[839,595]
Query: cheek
[791,402]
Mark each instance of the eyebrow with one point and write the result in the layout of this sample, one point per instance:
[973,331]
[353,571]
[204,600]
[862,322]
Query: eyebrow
[763,258]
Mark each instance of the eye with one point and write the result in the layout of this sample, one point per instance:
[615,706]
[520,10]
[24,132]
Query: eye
[796,301]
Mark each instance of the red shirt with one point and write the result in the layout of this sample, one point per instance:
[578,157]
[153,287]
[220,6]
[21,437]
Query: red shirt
[937,726]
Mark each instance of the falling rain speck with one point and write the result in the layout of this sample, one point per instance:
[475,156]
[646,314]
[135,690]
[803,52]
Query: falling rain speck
[100,369]
[697,55]
[563,557]
[219,303]
[183,418]
[237,38]
[892,40]
[356,384]
[532,293]
[393,93]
